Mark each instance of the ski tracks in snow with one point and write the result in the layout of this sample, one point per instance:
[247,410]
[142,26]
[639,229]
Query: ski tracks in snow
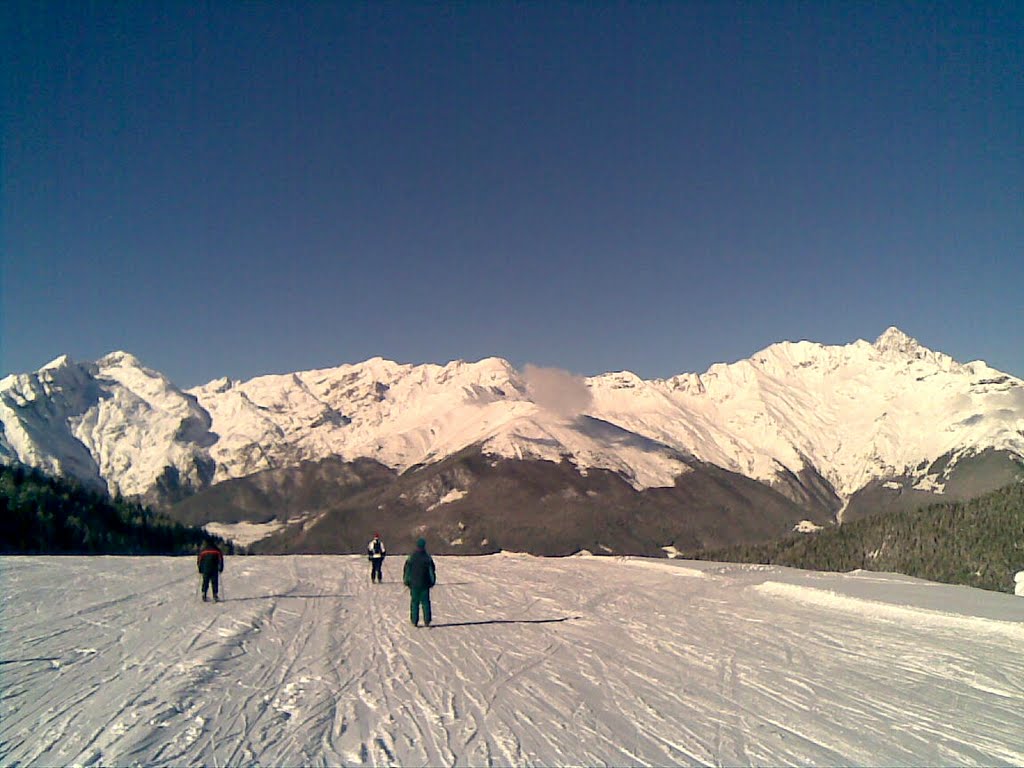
[115,661]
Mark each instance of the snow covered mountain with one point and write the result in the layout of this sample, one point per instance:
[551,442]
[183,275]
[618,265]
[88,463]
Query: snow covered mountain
[112,423]
[855,414]
[819,424]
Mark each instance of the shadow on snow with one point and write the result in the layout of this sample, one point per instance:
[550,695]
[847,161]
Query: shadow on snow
[279,597]
[504,621]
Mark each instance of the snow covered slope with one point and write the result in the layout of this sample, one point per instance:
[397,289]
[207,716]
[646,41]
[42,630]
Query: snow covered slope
[403,415]
[849,414]
[574,661]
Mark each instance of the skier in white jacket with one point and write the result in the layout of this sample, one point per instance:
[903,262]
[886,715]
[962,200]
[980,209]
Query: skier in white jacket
[375,553]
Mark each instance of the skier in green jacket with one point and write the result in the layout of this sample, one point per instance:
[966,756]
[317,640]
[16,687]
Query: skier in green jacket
[419,576]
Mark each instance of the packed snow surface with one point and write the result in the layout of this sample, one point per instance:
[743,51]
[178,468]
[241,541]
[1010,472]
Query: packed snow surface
[575,661]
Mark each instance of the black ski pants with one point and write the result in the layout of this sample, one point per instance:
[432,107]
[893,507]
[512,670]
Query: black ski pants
[211,579]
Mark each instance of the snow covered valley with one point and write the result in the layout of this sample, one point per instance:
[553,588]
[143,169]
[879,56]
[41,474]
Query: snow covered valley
[583,660]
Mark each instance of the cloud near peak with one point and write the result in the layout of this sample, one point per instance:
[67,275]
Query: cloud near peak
[557,390]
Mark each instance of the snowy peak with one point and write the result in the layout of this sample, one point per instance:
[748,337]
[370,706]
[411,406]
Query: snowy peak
[64,361]
[893,340]
[895,345]
[120,359]
[796,359]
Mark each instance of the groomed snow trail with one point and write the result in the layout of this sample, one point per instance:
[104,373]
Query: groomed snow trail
[116,661]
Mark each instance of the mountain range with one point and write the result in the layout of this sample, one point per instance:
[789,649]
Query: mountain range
[483,456]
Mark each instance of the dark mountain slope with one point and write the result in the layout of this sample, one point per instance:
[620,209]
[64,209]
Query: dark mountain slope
[471,503]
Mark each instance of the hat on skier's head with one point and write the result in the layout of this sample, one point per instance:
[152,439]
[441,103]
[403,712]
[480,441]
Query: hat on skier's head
[421,543]
[376,535]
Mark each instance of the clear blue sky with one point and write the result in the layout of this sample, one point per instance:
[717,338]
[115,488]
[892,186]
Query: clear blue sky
[244,188]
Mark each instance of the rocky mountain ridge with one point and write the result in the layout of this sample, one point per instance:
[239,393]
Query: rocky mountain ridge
[813,422]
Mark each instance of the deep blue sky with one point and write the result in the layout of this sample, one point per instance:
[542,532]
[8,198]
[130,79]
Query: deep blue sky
[245,188]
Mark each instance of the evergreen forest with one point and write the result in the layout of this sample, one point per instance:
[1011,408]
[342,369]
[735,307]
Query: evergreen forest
[45,515]
[976,543]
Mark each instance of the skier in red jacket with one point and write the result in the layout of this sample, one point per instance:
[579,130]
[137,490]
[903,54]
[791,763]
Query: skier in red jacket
[210,563]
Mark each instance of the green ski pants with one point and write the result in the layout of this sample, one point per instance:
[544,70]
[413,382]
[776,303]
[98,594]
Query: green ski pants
[419,597]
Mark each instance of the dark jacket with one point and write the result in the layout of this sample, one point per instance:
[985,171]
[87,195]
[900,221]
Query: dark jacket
[419,571]
[210,561]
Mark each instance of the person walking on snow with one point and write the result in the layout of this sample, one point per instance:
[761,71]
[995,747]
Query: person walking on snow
[375,553]
[419,576]
[210,563]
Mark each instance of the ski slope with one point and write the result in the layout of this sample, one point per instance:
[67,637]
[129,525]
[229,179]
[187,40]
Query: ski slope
[582,661]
